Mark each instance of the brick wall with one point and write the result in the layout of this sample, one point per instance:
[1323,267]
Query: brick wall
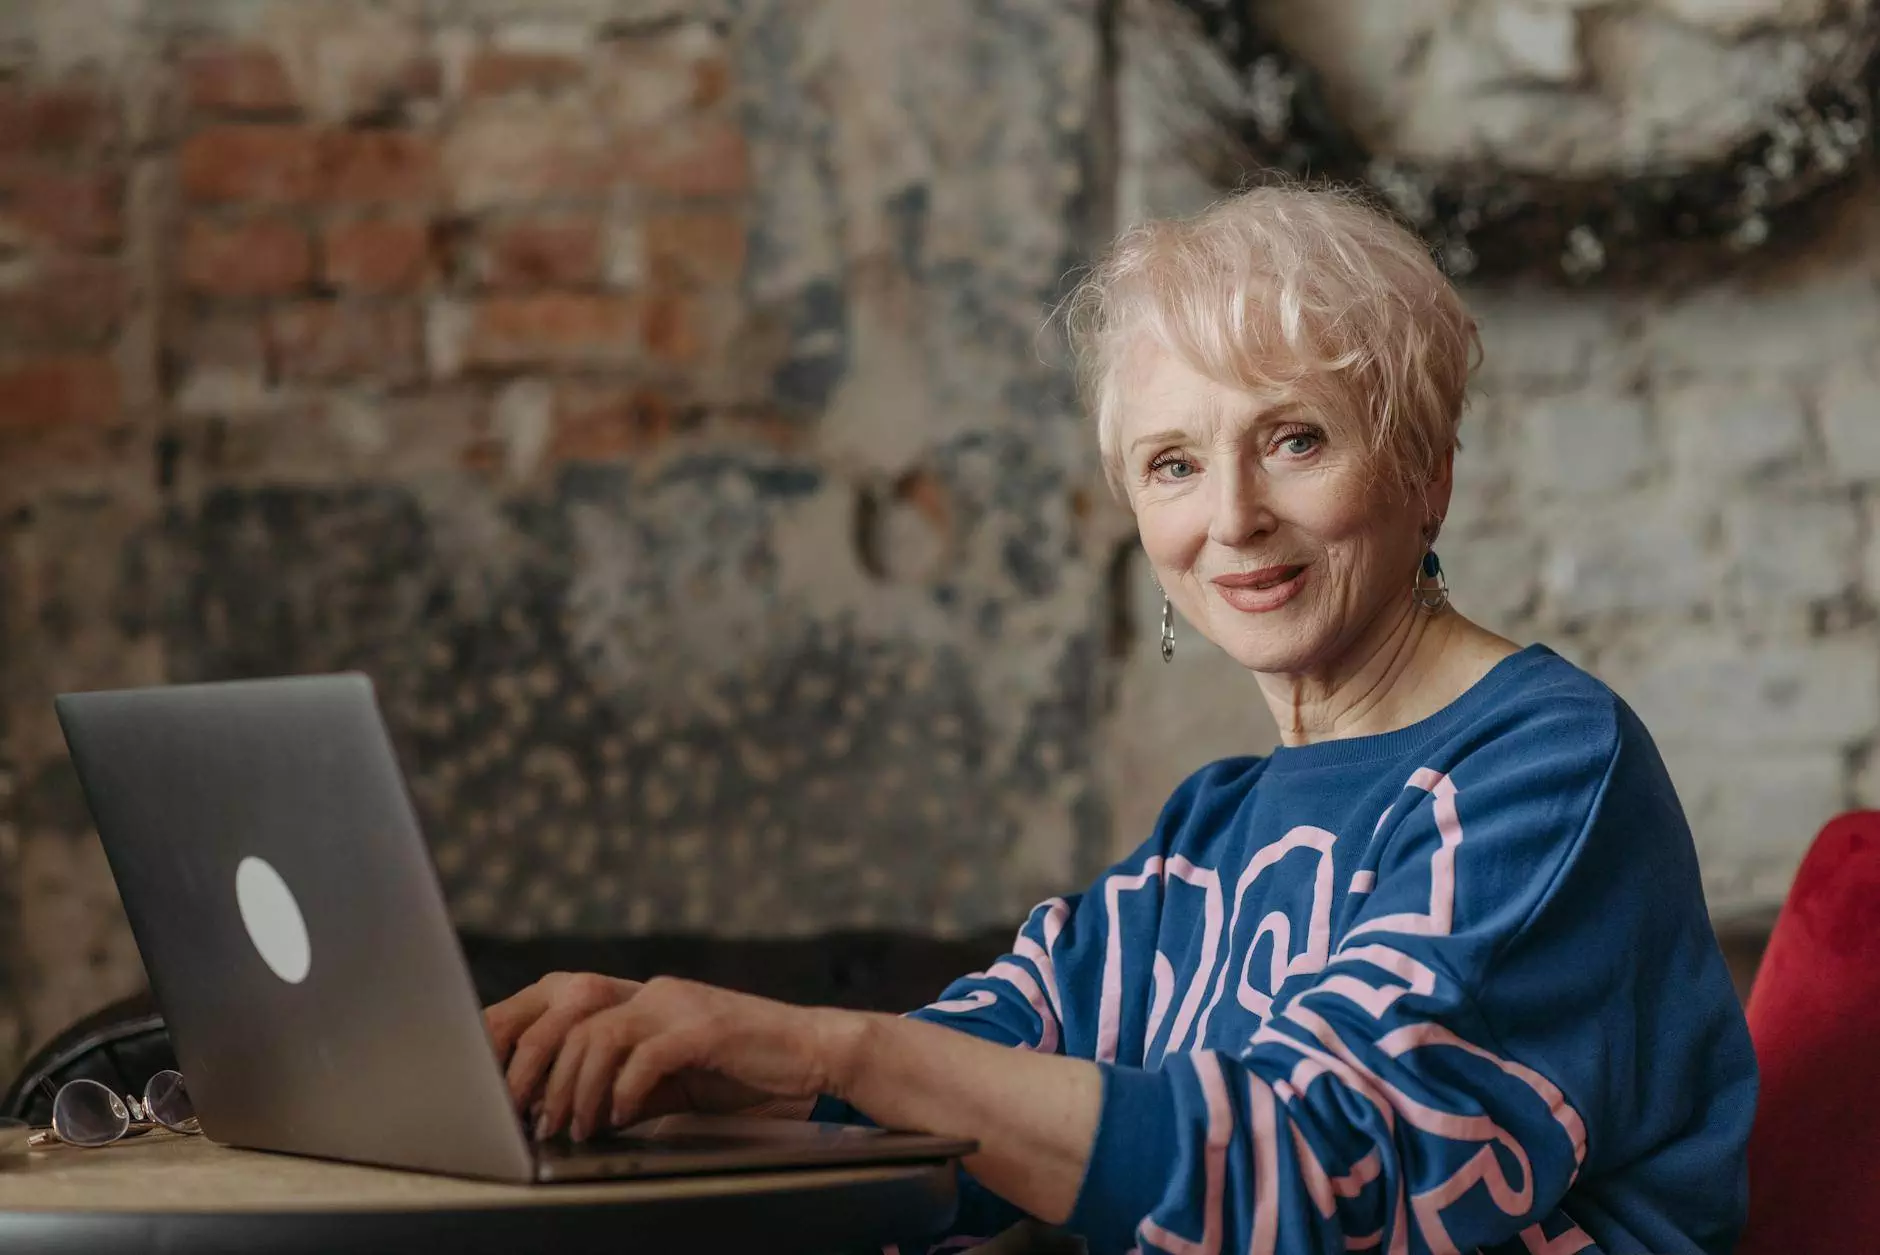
[643,392]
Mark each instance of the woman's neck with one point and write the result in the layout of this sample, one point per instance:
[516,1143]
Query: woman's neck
[1411,665]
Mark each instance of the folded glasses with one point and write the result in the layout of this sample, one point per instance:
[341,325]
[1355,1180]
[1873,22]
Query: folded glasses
[90,1113]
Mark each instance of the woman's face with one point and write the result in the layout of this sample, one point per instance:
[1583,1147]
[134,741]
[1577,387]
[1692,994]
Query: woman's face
[1262,521]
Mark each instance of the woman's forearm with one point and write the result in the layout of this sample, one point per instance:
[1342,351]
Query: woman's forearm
[1033,1115]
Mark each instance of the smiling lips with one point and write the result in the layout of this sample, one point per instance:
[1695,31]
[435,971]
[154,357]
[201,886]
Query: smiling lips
[1257,592]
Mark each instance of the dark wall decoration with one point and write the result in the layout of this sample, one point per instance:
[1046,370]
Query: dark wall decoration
[1651,226]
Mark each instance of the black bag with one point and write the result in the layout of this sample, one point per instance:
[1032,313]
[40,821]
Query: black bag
[122,1044]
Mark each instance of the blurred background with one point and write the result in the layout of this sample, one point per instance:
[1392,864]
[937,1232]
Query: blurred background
[650,396]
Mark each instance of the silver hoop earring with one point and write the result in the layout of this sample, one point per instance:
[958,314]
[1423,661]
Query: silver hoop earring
[1168,621]
[1431,587]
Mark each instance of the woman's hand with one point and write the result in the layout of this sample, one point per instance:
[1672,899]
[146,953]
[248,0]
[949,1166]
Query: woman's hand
[529,1027]
[676,1045]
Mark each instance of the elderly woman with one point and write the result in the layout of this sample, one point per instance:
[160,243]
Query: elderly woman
[1434,975]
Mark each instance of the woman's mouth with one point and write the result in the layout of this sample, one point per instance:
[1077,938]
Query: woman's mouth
[1259,591]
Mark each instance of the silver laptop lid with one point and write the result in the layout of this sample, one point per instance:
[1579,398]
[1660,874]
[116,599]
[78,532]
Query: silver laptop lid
[292,924]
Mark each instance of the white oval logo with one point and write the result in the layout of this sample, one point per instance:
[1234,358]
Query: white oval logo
[273,919]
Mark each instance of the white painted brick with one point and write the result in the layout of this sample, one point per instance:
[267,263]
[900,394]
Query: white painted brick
[1850,422]
[1866,792]
[1721,431]
[1753,815]
[1547,340]
[1584,444]
[1733,18]
[1541,42]
[1712,690]
[1645,554]
[1476,500]
[1493,578]
[1870,565]
[1783,548]
[1724,330]
[1484,468]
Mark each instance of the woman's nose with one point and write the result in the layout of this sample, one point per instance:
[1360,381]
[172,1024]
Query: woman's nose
[1241,511]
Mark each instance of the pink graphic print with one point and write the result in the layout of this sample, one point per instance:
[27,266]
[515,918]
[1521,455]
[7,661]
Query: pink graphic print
[1277,925]
[1039,990]
[1110,998]
[1392,1103]
[1351,976]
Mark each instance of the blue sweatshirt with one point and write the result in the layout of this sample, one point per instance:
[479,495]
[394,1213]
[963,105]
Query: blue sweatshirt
[1445,989]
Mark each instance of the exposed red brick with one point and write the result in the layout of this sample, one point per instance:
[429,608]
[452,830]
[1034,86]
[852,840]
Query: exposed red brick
[545,252]
[693,157]
[262,257]
[670,327]
[269,165]
[378,167]
[237,78]
[597,426]
[63,302]
[61,119]
[78,209]
[32,458]
[525,154]
[493,71]
[328,340]
[700,246]
[561,328]
[485,455]
[711,81]
[59,391]
[377,254]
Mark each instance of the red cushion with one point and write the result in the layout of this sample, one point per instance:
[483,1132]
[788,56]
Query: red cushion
[1814,1012]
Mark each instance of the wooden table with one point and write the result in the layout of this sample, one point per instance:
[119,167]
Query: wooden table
[164,1192]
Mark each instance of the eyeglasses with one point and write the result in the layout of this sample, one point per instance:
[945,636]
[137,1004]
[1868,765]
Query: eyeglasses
[89,1113]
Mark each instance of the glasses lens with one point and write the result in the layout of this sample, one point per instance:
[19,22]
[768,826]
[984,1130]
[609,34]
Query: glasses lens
[89,1113]
[166,1100]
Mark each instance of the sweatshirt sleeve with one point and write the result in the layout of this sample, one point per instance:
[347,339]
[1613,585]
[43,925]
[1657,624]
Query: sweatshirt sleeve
[1015,1002]
[1042,996]
[1406,1097]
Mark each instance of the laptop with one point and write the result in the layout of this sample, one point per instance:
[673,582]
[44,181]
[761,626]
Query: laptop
[296,939]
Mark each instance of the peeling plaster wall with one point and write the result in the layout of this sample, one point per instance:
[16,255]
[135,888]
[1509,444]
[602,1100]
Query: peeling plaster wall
[647,396]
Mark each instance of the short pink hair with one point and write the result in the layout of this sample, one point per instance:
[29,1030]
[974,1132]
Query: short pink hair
[1282,290]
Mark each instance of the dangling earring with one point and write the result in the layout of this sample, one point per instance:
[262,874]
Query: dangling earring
[1431,587]
[1168,623]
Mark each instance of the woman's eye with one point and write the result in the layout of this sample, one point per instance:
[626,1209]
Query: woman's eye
[1299,443]
[1173,467]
